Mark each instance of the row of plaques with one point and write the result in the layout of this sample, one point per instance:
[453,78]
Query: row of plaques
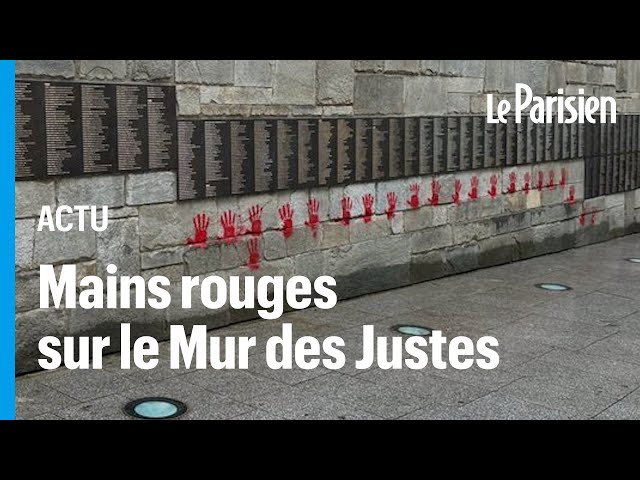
[612,161]
[86,128]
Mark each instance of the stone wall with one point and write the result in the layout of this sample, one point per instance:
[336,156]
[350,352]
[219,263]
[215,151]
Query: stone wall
[148,227]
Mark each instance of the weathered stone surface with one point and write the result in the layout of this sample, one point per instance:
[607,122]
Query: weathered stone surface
[295,82]
[103,69]
[173,273]
[152,69]
[609,76]
[431,239]
[199,261]
[234,95]
[614,200]
[424,96]
[98,190]
[119,244]
[335,82]
[463,258]
[378,227]
[274,245]
[595,74]
[402,66]
[576,72]
[467,232]
[464,68]
[428,266]
[302,241]
[557,77]
[49,68]
[458,103]
[254,73]
[511,222]
[496,250]
[500,76]
[32,196]
[312,265]
[418,219]
[27,290]
[534,73]
[188,99]
[207,72]
[615,217]
[470,211]
[378,94]
[30,328]
[163,258]
[151,187]
[334,234]
[430,67]
[369,65]
[464,85]
[58,246]
[399,187]
[553,213]
[356,192]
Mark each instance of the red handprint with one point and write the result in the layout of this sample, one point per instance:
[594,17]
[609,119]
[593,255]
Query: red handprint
[392,201]
[314,220]
[540,180]
[564,175]
[201,226]
[286,215]
[347,204]
[231,227]
[552,180]
[473,193]
[493,190]
[414,201]
[583,217]
[457,186]
[253,246]
[527,183]
[513,178]
[367,202]
[255,213]
[435,193]
[571,199]
[593,216]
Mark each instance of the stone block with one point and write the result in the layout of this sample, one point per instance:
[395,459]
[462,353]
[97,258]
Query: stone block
[464,68]
[295,82]
[459,103]
[609,76]
[322,196]
[119,244]
[335,82]
[557,77]
[423,96]
[27,290]
[402,66]
[269,216]
[302,241]
[595,74]
[30,328]
[59,247]
[199,261]
[378,227]
[576,72]
[615,217]
[428,266]
[430,67]
[163,257]
[103,69]
[334,234]
[614,200]
[152,187]
[173,273]
[463,258]
[32,196]
[98,190]
[254,73]
[46,68]
[398,186]
[188,99]
[431,239]
[312,265]
[379,94]
[335,198]
[205,72]
[534,73]
[468,232]
[152,70]
[464,85]
[496,250]
[511,222]
[369,65]
[274,245]
[356,192]
[418,219]
[231,95]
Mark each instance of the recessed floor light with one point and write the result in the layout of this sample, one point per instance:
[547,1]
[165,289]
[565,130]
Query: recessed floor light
[633,260]
[553,287]
[413,330]
[155,408]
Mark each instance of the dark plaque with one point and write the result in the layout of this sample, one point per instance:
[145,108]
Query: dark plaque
[440,127]
[453,144]
[411,147]
[512,142]
[521,140]
[307,153]
[396,148]
[532,141]
[191,172]
[426,146]
[327,152]
[582,140]
[557,140]
[217,159]
[346,151]
[363,149]
[548,142]
[30,131]
[380,148]
[466,143]
[287,154]
[618,132]
[490,148]
[62,111]
[131,101]
[566,140]
[541,142]
[241,143]
[501,143]
[99,142]
[628,132]
[590,165]
[265,162]
[574,132]
[478,141]
[161,117]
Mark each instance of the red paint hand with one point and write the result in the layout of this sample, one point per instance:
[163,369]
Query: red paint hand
[473,193]
[513,178]
[493,191]
[435,193]
[571,199]
[540,180]
[563,177]
[552,180]
[367,201]
[230,227]
[347,204]
[527,183]
[314,220]
[414,201]
[392,201]
[200,226]
[583,217]
[286,215]
[457,186]
[253,246]
[255,213]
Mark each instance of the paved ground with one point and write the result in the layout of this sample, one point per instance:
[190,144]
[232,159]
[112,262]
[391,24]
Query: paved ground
[562,355]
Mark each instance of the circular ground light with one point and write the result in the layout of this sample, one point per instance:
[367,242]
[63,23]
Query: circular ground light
[633,260]
[553,287]
[155,408]
[413,330]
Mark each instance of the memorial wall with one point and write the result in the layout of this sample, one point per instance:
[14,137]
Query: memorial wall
[380,173]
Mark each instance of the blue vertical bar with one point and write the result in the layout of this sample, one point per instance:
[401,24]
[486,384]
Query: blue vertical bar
[7,240]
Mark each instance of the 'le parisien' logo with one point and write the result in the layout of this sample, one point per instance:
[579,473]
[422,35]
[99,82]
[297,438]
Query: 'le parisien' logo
[547,109]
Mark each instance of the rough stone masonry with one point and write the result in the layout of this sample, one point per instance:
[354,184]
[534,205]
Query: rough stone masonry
[148,227]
